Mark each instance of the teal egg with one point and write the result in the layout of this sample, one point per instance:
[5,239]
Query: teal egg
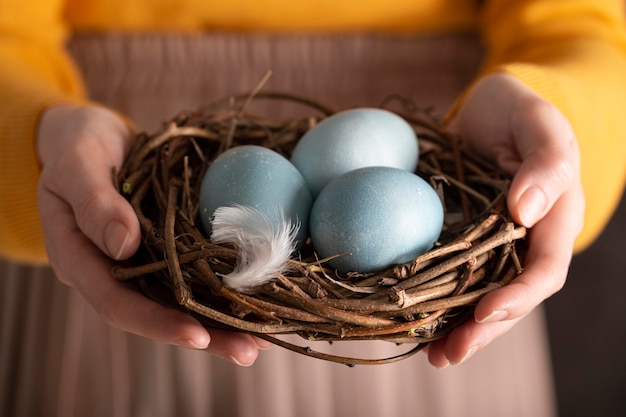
[257,177]
[353,139]
[377,217]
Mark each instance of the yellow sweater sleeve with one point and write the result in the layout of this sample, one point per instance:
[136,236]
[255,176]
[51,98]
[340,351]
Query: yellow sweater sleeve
[34,73]
[572,53]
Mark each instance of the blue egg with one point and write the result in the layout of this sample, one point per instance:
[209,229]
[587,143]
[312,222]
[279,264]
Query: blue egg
[377,217]
[353,139]
[257,177]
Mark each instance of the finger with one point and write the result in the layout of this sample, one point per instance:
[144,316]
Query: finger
[78,263]
[436,353]
[238,348]
[83,177]
[465,341]
[549,157]
[262,343]
[546,264]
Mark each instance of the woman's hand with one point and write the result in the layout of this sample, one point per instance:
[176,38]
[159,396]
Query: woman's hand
[87,224]
[527,137]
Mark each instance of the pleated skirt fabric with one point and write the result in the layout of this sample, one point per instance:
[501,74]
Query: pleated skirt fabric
[57,358]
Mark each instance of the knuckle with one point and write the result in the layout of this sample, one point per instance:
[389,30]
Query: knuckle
[564,172]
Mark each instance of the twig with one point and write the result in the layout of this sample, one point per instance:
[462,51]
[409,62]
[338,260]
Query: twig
[416,302]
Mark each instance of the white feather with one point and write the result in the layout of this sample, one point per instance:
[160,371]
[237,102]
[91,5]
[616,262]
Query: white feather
[264,248]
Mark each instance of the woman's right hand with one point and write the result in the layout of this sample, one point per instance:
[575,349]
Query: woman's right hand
[88,224]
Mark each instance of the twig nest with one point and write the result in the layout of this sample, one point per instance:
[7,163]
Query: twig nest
[479,250]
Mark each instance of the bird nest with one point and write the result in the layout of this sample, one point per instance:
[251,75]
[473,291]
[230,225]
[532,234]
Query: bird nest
[479,250]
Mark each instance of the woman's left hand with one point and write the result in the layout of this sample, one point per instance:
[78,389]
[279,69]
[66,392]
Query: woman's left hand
[529,138]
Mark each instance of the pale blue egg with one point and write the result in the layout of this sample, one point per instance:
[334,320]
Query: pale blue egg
[378,217]
[355,139]
[257,177]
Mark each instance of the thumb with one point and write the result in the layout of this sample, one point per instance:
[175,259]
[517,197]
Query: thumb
[79,148]
[103,215]
[548,160]
[528,137]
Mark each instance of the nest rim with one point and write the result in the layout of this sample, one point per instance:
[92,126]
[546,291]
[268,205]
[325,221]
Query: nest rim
[407,310]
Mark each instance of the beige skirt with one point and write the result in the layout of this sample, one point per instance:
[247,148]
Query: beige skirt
[57,358]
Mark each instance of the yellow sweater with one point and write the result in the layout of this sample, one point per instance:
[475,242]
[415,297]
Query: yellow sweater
[573,53]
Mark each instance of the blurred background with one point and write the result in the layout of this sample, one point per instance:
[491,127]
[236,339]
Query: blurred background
[587,325]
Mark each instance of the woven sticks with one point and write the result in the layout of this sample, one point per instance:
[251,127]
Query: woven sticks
[480,249]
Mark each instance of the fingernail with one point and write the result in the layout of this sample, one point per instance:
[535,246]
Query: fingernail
[496,315]
[115,239]
[470,352]
[234,360]
[265,347]
[531,205]
[192,344]
[263,344]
